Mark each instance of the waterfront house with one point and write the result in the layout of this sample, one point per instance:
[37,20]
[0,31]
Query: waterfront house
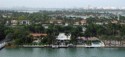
[88,39]
[114,43]
[37,37]
[63,39]
[90,42]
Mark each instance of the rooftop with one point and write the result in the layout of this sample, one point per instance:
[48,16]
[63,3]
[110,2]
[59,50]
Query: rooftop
[62,36]
[90,38]
[38,34]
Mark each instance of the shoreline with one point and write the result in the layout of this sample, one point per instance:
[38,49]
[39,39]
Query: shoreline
[50,46]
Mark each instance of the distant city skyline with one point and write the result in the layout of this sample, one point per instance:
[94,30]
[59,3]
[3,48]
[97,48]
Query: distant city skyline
[62,3]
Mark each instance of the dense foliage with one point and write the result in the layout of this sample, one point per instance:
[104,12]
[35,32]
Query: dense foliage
[21,33]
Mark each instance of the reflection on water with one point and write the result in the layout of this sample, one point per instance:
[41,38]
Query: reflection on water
[62,52]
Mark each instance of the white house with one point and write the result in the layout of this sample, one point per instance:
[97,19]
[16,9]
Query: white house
[62,36]
[63,39]
[14,22]
[25,22]
[99,23]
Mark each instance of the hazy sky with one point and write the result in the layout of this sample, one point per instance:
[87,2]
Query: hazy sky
[61,3]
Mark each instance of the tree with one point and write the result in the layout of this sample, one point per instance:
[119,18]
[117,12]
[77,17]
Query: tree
[35,28]
[75,33]
[2,32]
[21,36]
[91,30]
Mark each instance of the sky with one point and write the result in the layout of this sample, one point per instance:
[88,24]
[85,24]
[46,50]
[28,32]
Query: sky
[61,3]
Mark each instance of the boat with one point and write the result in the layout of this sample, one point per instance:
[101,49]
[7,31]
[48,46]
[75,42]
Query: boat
[2,45]
[55,46]
[95,45]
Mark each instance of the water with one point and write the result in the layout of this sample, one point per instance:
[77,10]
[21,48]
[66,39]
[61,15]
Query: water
[62,52]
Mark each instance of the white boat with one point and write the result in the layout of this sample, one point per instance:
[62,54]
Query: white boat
[100,44]
[55,46]
[2,45]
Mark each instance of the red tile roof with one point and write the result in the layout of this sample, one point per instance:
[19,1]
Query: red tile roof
[38,34]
